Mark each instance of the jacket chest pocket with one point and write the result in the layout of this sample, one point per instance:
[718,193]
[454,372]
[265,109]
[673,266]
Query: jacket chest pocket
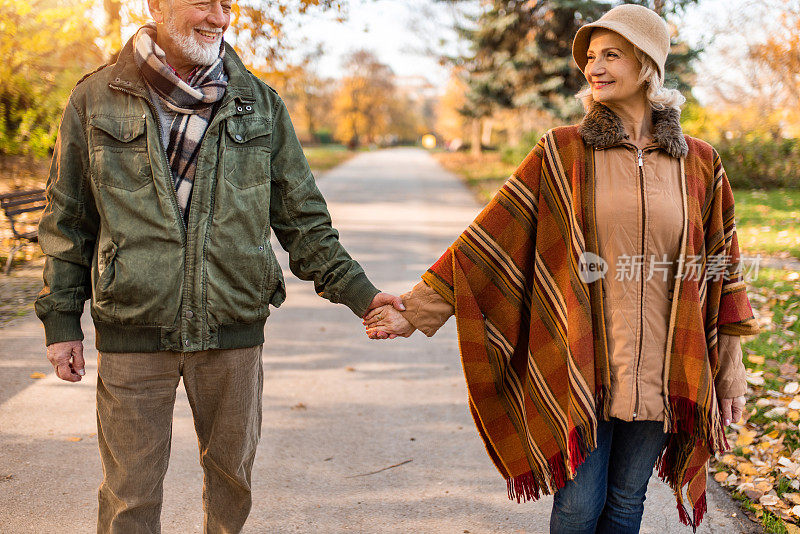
[118,148]
[247,152]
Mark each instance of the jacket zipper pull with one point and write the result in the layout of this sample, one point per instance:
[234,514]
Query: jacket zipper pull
[641,159]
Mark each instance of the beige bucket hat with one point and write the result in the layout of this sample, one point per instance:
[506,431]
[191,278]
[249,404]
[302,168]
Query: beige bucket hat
[641,26]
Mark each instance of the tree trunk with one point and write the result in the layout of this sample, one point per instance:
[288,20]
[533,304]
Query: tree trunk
[113,30]
[488,127]
[475,148]
[515,128]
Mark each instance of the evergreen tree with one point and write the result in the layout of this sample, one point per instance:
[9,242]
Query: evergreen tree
[521,54]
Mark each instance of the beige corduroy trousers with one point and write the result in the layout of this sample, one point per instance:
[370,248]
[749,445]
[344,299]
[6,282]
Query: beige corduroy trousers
[135,400]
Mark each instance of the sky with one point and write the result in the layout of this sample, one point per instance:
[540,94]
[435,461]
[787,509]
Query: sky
[397,32]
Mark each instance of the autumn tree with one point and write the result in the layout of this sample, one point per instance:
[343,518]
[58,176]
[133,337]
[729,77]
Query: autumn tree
[779,54]
[112,36]
[362,103]
[46,46]
[308,95]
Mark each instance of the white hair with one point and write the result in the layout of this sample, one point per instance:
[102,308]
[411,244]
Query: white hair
[659,96]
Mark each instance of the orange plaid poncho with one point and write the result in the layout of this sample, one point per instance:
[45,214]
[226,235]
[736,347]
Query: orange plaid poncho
[531,331]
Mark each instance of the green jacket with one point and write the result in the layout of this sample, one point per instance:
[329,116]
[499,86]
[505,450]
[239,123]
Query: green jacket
[112,230]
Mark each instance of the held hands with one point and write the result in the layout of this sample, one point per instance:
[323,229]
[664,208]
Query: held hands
[382,302]
[67,359]
[731,409]
[387,323]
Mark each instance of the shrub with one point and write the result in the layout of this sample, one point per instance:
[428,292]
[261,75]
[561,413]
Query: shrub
[761,162]
[513,155]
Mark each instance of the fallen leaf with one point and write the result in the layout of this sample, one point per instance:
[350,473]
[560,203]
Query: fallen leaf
[787,368]
[746,437]
[794,498]
[349,369]
[796,511]
[769,500]
[746,468]
[38,375]
[74,439]
[299,406]
[778,411]
[758,360]
[721,476]
[763,486]
[753,494]
[791,388]
[755,380]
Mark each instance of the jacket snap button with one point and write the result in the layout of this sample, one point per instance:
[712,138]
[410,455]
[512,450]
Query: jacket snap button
[238,137]
[249,108]
[189,314]
[260,248]
[185,342]
[239,108]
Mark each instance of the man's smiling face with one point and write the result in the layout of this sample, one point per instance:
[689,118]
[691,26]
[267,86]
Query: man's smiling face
[194,28]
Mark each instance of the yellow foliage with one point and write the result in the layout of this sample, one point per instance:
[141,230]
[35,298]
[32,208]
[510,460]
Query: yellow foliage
[368,107]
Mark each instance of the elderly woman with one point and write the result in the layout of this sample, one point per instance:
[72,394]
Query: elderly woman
[599,298]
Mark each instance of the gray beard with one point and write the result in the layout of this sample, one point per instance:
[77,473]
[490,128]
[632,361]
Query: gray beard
[194,51]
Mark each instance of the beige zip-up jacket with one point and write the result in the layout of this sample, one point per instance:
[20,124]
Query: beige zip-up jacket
[639,218]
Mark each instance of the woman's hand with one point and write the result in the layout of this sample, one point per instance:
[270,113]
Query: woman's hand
[731,409]
[386,322]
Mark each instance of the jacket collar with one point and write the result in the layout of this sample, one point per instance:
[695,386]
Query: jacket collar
[602,128]
[126,76]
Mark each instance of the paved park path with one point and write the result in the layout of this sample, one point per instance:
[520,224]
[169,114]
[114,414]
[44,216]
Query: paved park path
[337,406]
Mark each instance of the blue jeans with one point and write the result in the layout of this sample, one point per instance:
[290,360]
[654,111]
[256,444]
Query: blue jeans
[608,491]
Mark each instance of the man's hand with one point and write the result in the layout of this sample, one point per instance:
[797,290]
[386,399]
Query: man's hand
[382,299]
[731,409]
[67,358]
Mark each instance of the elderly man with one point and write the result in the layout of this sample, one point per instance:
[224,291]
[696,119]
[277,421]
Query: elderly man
[170,169]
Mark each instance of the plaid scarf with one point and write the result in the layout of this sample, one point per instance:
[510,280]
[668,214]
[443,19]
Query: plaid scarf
[190,103]
[531,331]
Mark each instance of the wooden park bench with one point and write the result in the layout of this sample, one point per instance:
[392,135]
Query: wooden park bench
[14,205]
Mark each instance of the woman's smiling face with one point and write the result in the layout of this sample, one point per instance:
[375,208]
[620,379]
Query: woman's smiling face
[612,69]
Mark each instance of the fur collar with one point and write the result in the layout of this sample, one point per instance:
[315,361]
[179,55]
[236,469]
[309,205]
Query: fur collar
[602,128]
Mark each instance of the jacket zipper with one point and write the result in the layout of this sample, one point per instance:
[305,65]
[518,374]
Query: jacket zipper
[173,195]
[641,286]
[184,342]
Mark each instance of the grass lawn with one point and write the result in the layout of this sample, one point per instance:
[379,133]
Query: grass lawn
[324,157]
[767,222]
[484,174]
